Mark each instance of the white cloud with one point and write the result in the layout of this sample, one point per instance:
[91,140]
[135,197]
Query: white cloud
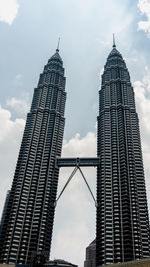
[10,139]
[21,106]
[9,127]
[74,226]
[73,238]
[75,209]
[142,96]
[18,80]
[144,6]
[8,10]
[19,77]
[101,72]
[80,147]
[104,43]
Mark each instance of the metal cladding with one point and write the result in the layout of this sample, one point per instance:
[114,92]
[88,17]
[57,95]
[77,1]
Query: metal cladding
[122,232]
[122,214]
[28,222]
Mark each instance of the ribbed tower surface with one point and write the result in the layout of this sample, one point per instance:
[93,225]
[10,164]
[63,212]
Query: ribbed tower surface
[28,223]
[122,215]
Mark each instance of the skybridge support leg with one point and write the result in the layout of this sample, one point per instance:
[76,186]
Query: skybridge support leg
[70,178]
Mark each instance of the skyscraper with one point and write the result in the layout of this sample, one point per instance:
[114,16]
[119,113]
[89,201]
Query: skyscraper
[122,214]
[28,222]
[122,232]
[4,210]
[90,257]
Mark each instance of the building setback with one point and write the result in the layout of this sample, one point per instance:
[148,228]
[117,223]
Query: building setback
[122,214]
[122,232]
[28,222]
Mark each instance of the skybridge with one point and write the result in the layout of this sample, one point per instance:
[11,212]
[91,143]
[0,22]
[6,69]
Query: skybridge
[73,162]
[77,163]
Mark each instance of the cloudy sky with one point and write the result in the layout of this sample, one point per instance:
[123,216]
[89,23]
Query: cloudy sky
[29,31]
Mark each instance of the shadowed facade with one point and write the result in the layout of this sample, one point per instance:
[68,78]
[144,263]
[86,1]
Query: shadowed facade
[122,231]
[28,223]
[122,214]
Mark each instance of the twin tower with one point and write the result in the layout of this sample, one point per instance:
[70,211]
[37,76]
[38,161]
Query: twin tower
[122,231]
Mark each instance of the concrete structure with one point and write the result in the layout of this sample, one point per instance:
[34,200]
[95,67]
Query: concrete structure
[137,263]
[90,260]
[122,215]
[4,210]
[60,263]
[122,231]
[27,226]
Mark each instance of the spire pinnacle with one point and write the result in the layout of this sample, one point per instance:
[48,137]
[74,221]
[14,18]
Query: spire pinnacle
[114,44]
[57,50]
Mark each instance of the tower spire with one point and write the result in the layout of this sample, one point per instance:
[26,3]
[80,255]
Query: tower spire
[57,50]
[114,44]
